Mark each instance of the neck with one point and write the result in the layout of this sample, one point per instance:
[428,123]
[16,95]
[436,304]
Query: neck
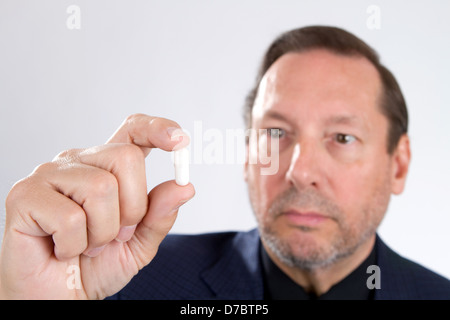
[320,280]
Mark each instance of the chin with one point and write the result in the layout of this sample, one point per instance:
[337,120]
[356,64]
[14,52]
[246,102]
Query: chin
[305,247]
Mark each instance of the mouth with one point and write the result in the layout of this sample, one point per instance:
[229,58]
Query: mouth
[304,218]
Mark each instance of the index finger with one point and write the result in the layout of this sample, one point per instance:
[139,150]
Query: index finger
[149,132]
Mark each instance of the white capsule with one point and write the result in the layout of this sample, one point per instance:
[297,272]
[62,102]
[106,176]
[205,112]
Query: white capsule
[181,162]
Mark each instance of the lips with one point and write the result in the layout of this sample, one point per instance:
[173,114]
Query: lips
[310,219]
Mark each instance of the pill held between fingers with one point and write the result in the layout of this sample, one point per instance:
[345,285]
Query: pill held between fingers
[181,162]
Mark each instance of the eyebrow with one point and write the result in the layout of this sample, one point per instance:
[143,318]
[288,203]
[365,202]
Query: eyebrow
[276,115]
[339,119]
[344,119]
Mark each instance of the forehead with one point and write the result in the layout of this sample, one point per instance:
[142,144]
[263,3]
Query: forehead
[318,83]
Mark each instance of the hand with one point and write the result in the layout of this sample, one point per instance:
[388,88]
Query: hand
[87,213]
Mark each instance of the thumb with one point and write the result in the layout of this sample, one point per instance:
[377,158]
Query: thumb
[164,202]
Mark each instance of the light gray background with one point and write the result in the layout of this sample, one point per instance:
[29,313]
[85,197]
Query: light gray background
[194,61]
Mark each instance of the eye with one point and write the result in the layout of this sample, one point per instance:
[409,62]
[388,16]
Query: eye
[276,133]
[344,138]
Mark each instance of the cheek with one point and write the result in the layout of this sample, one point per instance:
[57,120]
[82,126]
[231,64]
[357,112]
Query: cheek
[363,191]
[263,188]
[265,173]
[258,188]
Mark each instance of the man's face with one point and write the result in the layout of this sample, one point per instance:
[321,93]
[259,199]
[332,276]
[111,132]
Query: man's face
[333,182]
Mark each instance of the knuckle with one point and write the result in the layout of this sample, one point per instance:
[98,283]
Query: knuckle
[133,117]
[75,218]
[17,193]
[44,168]
[130,154]
[70,155]
[103,185]
[70,237]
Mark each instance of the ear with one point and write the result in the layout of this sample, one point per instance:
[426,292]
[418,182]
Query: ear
[400,165]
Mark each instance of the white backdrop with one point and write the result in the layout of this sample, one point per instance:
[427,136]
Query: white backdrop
[194,61]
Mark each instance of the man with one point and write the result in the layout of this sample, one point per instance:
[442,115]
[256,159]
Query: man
[339,120]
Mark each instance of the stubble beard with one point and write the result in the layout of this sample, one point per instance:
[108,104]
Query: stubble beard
[309,255]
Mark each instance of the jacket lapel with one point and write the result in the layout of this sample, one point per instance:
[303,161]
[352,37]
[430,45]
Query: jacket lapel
[394,279]
[237,273]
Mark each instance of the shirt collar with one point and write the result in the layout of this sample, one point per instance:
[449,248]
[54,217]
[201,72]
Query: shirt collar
[278,286]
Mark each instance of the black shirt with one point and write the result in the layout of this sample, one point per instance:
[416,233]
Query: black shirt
[278,286]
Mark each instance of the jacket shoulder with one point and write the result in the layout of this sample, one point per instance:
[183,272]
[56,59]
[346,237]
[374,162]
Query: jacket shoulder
[176,271]
[402,278]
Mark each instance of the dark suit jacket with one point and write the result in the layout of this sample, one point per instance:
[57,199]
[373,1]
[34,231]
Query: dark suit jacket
[227,266]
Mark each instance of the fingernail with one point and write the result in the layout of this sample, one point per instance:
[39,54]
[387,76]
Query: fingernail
[125,233]
[175,134]
[95,252]
[180,204]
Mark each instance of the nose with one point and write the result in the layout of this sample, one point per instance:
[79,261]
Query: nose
[305,166]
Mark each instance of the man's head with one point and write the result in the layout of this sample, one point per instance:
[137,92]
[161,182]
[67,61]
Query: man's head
[341,124]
